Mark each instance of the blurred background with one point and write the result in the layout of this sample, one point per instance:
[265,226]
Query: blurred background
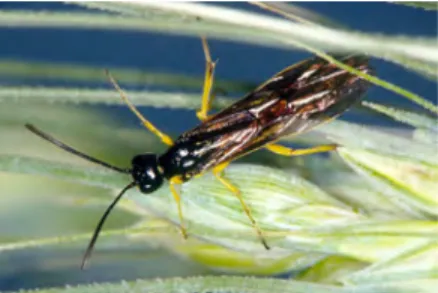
[31,206]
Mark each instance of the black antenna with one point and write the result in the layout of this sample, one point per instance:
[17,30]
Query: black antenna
[72,150]
[100,225]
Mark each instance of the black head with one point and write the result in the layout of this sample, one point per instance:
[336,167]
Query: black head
[146,172]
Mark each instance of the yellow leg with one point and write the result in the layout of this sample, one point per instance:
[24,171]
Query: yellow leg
[165,138]
[217,171]
[285,151]
[207,100]
[174,181]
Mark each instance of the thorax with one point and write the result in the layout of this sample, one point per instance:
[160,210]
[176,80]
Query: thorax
[183,159]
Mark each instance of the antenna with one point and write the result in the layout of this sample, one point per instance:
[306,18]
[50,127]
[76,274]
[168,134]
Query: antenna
[93,240]
[69,149]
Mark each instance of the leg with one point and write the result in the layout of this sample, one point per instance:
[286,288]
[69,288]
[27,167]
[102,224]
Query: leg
[285,151]
[217,171]
[174,181]
[165,138]
[202,114]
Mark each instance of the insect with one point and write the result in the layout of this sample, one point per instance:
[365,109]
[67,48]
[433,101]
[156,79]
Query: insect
[293,101]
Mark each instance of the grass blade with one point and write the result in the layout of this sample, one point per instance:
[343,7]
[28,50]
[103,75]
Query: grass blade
[73,72]
[289,30]
[96,96]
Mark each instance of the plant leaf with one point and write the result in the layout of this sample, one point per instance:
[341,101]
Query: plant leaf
[238,30]
[331,269]
[93,96]
[307,17]
[246,25]
[279,27]
[226,284]
[418,262]
[225,260]
[201,285]
[426,136]
[410,183]
[390,141]
[74,72]
[432,5]
[410,118]
[68,239]
[214,215]
[297,13]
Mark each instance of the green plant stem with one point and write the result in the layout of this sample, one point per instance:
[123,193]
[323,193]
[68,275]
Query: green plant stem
[275,26]
[75,72]
[68,239]
[94,96]
[227,284]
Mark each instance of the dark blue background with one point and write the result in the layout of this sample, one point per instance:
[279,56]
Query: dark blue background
[155,52]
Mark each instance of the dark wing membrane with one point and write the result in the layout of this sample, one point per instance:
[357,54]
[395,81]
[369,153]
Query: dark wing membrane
[314,90]
[293,101]
[321,92]
[218,140]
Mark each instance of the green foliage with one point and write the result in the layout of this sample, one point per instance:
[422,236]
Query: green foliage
[432,5]
[361,220]
[74,72]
